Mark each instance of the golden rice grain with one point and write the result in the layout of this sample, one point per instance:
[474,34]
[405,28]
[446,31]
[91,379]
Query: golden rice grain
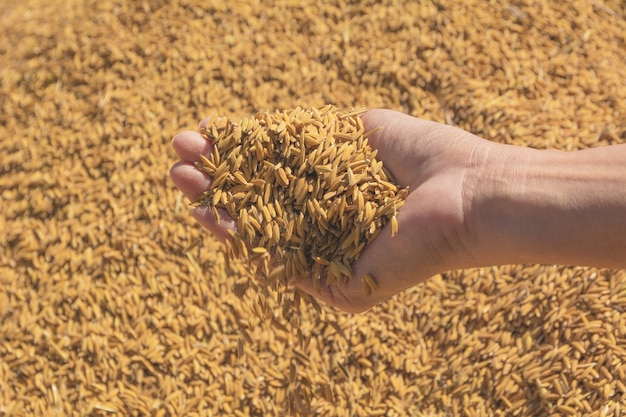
[112,299]
[369,284]
[318,171]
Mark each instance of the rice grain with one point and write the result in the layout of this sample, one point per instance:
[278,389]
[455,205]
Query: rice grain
[318,172]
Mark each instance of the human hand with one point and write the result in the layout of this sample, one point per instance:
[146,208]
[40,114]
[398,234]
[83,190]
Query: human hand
[435,161]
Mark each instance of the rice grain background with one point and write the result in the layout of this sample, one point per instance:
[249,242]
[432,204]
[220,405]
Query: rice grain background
[114,303]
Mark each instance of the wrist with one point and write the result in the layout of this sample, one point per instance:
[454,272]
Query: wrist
[519,199]
[547,206]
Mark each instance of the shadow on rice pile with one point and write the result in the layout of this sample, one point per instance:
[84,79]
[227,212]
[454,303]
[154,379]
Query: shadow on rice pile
[113,302]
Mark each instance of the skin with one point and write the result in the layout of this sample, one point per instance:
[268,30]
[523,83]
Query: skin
[471,203]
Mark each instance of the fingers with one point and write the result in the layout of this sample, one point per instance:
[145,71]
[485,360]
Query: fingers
[205,217]
[190,145]
[192,182]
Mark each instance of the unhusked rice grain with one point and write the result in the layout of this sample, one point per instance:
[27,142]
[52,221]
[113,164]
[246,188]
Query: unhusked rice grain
[113,302]
[305,189]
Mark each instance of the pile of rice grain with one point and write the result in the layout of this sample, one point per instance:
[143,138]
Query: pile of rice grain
[115,303]
[305,189]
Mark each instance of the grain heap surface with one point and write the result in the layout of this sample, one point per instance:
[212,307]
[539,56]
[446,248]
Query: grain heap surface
[114,303]
[305,189]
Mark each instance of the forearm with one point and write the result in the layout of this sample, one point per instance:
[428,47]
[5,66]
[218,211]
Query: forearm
[553,207]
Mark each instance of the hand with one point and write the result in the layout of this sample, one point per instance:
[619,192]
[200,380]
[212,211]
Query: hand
[471,203]
[435,161]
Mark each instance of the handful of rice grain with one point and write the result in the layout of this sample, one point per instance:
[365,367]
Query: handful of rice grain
[305,189]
